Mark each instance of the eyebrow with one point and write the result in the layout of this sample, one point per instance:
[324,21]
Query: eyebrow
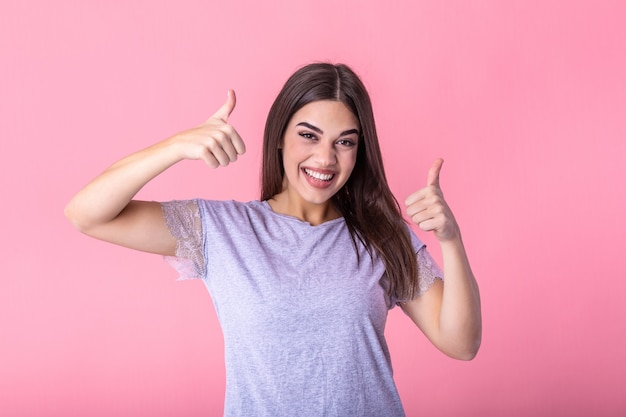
[321,132]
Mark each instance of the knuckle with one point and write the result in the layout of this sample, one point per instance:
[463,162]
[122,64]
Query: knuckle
[229,130]
[219,135]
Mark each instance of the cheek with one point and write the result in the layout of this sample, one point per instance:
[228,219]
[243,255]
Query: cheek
[293,155]
[290,162]
[351,161]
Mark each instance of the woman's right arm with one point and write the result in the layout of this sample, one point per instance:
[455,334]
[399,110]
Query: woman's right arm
[105,209]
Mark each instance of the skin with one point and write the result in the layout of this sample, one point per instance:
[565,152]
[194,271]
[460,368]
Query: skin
[321,138]
[449,315]
[105,209]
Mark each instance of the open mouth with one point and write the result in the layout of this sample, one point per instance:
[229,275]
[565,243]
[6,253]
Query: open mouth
[318,175]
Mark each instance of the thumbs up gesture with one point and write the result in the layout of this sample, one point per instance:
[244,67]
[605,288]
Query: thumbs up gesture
[428,209]
[215,141]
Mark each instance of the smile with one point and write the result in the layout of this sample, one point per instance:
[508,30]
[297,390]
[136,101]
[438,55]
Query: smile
[318,175]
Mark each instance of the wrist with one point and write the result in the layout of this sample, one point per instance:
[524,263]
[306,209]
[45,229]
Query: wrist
[172,149]
[453,240]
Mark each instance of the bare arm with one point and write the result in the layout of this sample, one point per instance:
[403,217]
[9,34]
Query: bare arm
[449,313]
[105,208]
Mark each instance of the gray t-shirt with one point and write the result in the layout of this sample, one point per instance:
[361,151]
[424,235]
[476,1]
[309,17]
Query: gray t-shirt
[303,320]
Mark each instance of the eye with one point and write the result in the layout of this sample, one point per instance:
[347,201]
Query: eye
[307,135]
[346,142]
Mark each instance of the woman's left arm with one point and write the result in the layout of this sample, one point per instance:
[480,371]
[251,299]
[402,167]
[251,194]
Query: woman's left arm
[449,312]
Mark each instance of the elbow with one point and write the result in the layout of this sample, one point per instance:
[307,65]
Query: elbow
[72,213]
[467,354]
[465,350]
[469,351]
[465,342]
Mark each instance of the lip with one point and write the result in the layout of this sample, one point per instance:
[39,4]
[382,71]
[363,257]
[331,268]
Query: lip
[317,183]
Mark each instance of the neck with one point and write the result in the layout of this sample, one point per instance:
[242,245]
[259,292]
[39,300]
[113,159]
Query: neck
[312,213]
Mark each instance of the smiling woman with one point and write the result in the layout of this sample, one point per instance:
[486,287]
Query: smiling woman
[302,279]
[319,151]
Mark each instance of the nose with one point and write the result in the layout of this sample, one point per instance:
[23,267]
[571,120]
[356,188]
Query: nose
[325,154]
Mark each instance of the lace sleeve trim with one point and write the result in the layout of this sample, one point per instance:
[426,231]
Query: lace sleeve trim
[427,271]
[185,224]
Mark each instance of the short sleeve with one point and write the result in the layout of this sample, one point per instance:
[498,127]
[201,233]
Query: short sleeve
[427,270]
[184,222]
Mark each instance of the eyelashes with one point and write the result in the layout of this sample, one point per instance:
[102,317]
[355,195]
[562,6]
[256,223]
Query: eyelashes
[346,142]
[342,142]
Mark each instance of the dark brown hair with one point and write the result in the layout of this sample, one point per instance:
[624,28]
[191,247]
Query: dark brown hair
[370,210]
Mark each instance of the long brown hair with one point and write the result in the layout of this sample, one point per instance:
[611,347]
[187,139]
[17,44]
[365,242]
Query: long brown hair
[371,212]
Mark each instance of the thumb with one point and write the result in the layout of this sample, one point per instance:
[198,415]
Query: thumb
[433,172]
[227,108]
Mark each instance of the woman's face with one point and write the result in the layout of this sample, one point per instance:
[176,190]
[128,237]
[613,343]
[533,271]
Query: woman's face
[319,151]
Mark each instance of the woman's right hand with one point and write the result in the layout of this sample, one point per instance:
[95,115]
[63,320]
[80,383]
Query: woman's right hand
[215,141]
[105,208]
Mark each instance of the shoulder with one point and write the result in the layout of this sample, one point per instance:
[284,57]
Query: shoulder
[230,205]
[415,240]
[229,211]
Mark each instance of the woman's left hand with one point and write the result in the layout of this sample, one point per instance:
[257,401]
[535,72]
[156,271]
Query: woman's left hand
[449,313]
[428,209]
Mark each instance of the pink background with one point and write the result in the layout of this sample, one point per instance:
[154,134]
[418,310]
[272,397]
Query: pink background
[525,100]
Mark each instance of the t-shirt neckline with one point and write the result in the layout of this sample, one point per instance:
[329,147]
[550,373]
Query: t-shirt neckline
[266,205]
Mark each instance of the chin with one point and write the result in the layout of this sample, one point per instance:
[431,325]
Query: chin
[319,200]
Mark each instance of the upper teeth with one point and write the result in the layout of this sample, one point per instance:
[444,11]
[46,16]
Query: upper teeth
[318,175]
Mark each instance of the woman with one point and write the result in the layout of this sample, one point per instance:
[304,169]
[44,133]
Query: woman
[301,280]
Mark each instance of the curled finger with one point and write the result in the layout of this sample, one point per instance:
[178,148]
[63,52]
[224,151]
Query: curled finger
[237,143]
[210,159]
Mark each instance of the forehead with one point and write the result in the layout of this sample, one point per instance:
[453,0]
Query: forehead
[326,113]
